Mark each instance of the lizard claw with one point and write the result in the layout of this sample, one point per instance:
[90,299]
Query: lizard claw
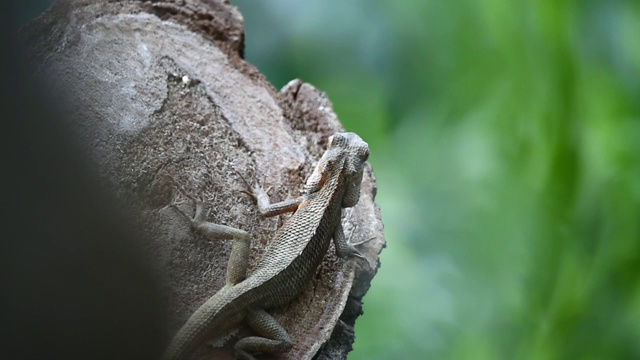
[363,241]
[252,191]
[198,202]
[349,251]
[250,194]
[174,201]
[355,254]
[175,204]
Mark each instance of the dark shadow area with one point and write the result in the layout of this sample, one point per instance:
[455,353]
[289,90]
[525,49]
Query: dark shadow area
[73,282]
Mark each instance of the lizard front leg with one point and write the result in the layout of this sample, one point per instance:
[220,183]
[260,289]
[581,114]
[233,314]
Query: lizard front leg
[266,208]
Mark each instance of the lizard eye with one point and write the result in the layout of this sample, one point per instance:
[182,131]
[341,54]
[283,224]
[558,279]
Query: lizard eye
[330,163]
[364,154]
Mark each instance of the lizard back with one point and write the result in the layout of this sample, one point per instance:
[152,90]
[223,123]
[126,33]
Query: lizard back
[297,248]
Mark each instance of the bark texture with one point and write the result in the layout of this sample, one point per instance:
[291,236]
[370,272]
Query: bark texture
[158,92]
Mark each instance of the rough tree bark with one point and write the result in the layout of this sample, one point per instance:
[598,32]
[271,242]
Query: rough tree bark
[159,92]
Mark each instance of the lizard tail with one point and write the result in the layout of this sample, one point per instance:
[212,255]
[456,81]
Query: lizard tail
[211,319]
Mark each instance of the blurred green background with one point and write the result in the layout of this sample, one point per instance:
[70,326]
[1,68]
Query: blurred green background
[505,135]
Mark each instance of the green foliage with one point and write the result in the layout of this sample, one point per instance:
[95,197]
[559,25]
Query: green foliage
[506,139]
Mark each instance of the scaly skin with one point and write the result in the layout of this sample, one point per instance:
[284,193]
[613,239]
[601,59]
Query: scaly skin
[290,261]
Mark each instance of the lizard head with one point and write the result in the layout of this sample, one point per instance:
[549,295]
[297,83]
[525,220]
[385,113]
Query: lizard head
[346,155]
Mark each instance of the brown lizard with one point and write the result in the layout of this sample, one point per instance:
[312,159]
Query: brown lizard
[290,261]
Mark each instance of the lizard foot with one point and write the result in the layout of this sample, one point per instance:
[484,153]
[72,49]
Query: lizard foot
[363,241]
[353,253]
[175,204]
[200,215]
[254,192]
[350,248]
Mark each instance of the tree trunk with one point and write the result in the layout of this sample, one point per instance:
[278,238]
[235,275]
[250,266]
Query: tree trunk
[160,95]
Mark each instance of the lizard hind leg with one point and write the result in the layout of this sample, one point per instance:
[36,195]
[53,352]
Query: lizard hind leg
[273,337]
[238,264]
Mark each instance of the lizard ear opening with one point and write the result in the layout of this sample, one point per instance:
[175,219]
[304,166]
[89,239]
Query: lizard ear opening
[363,153]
